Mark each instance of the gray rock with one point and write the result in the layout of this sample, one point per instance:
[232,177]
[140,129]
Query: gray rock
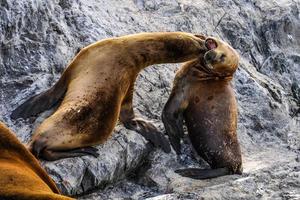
[124,152]
[38,38]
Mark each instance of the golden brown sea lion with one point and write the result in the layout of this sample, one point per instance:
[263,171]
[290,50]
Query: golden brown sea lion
[21,176]
[203,97]
[97,88]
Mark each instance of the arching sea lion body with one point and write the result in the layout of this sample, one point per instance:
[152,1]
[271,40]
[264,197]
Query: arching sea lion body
[97,88]
[203,97]
[21,176]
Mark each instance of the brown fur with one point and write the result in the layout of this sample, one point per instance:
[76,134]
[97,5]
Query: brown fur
[203,96]
[21,176]
[97,88]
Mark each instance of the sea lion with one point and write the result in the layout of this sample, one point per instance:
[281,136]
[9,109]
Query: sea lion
[97,87]
[21,176]
[203,97]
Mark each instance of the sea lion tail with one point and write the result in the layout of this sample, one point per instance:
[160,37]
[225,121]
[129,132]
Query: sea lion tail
[42,101]
[195,173]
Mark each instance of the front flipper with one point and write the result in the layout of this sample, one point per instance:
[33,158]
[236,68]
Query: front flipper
[174,129]
[149,132]
[51,155]
[41,102]
[172,115]
[195,173]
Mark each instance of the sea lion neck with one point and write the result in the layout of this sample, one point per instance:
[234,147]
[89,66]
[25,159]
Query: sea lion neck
[156,48]
[202,73]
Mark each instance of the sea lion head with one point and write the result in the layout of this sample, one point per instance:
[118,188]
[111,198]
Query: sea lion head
[220,58]
[52,134]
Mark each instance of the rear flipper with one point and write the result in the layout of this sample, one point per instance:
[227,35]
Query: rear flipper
[195,173]
[149,132]
[41,102]
[51,155]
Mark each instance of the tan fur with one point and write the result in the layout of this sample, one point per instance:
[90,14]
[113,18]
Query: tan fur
[21,176]
[100,84]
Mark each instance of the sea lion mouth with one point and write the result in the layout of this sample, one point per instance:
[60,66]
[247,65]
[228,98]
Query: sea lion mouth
[206,67]
[209,66]
[211,44]
[209,59]
[209,56]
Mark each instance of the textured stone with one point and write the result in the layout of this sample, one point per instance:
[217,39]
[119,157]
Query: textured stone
[38,38]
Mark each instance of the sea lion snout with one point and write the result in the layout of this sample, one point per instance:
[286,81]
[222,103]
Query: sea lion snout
[37,146]
[210,56]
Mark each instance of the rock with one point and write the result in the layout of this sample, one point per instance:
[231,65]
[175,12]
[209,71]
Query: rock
[39,38]
[124,152]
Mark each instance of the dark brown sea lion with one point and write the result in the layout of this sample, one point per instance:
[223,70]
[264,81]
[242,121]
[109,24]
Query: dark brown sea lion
[203,97]
[97,88]
[21,176]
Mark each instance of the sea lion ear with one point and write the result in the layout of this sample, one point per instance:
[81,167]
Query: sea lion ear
[202,37]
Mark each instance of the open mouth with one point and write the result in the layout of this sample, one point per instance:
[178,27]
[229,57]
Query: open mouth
[206,67]
[211,44]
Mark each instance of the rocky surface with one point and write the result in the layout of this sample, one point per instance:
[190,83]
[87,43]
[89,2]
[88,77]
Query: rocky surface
[38,38]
